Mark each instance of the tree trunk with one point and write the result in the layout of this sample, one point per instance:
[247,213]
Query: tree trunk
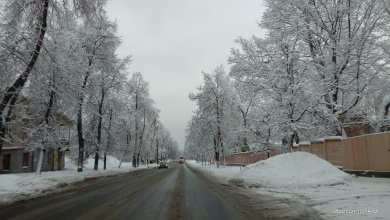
[136,132]
[80,120]
[105,161]
[99,140]
[218,142]
[51,102]
[99,131]
[135,145]
[157,143]
[154,135]
[216,152]
[80,137]
[13,91]
[244,116]
[141,137]
[108,141]
[46,119]
[128,139]
[40,161]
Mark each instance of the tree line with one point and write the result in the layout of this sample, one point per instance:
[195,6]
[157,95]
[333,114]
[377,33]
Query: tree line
[322,65]
[58,57]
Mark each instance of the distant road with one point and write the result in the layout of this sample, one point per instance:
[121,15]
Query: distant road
[174,193]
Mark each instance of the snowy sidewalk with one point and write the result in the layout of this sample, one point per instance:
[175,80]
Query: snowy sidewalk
[21,186]
[312,181]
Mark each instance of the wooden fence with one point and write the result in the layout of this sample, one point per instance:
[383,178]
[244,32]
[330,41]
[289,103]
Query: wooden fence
[366,153]
[248,157]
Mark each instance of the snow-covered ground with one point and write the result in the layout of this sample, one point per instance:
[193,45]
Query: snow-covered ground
[15,187]
[313,181]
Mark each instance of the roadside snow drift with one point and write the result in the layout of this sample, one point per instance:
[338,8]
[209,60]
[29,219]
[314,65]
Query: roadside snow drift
[299,169]
[311,181]
[21,186]
[112,163]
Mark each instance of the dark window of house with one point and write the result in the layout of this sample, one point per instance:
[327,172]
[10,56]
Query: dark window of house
[6,161]
[26,157]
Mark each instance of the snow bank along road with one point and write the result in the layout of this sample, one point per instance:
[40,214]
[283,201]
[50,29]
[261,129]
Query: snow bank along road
[175,193]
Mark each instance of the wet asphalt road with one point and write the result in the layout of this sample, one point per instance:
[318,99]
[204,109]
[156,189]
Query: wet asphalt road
[175,193]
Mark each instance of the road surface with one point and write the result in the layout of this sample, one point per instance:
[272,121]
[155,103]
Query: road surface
[175,193]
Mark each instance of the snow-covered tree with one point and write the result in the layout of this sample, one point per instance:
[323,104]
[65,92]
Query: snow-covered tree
[25,26]
[217,104]
[343,41]
[58,59]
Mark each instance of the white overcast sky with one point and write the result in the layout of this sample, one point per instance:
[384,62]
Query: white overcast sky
[173,41]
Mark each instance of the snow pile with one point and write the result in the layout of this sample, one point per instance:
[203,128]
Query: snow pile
[311,181]
[111,163]
[299,169]
[223,174]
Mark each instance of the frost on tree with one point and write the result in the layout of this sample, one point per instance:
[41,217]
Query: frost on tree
[322,66]
[77,74]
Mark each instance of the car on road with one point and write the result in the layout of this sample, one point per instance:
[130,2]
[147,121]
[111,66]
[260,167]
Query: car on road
[181,160]
[163,164]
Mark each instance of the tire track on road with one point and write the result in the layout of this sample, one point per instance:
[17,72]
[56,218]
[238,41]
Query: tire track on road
[177,200]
